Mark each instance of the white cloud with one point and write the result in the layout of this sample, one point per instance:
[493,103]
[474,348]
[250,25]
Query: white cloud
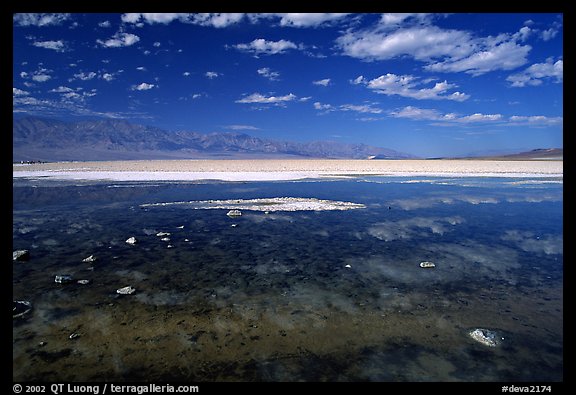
[443,50]
[241,127]
[19,92]
[477,117]
[323,82]
[549,34]
[535,120]
[143,87]
[323,107]
[41,76]
[186,74]
[157,44]
[57,46]
[61,89]
[33,19]
[152,17]
[84,76]
[535,74]
[506,55]
[107,77]
[259,98]
[309,19]
[141,68]
[424,114]
[218,20]
[120,40]
[212,74]
[395,19]
[262,46]
[362,108]
[267,73]
[410,86]
[421,43]
[433,115]
[105,24]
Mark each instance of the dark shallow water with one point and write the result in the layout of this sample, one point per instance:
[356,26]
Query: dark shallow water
[291,296]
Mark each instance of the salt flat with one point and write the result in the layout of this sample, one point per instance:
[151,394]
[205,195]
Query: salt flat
[269,170]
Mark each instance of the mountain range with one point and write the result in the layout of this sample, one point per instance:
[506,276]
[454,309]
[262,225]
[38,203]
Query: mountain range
[44,139]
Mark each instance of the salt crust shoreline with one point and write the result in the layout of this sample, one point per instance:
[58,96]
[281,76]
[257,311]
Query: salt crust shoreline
[282,170]
[265,204]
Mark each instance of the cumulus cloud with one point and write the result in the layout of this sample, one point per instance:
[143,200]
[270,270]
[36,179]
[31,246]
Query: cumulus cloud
[410,86]
[119,40]
[152,17]
[34,19]
[309,19]
[262,46]
[61,89]
[105,24]
[217,20]
[361,108]
[220,20]
[442,50]
[323,107]
[267,73]
[107,77]
[241,127]
[261,99]
[57,46]
[19,92]
[84,76]
[40,75]
[434,115]
[537,73]
[212,74]
[535,120]
[506,55]
[143,87]
[417,113]
[323,82]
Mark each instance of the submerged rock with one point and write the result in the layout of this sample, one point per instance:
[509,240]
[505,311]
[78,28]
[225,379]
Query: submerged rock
[20,308]
[20,255]
[63,278]
[234,213]
[132,240]
[486,337]
[427,264]
[129,290]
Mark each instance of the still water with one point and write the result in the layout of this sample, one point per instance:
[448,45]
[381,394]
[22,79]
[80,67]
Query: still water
[290,295]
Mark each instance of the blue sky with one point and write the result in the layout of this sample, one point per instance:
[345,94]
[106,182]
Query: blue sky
[425,84]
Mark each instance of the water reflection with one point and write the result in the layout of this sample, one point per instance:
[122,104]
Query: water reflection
[291,296]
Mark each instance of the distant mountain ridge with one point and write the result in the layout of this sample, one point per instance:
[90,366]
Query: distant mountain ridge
[46,139]
[535,154]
